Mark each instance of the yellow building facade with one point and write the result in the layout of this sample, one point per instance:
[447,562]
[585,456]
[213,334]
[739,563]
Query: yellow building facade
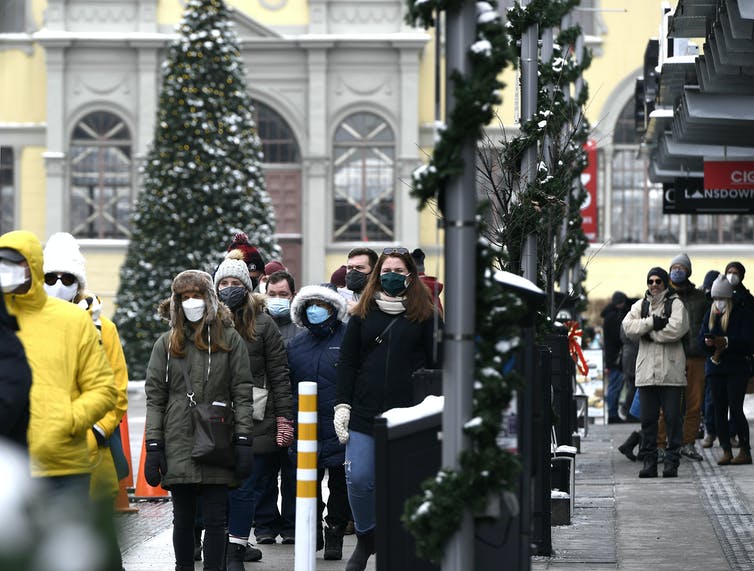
[316,67]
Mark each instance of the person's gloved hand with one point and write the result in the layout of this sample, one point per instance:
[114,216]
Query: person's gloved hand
[244,456]
[99,437]
[156,465]
[284,435]
[341,420]
[659,322]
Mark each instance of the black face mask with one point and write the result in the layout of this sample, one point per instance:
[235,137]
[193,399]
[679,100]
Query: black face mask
[356,280]
[232,296]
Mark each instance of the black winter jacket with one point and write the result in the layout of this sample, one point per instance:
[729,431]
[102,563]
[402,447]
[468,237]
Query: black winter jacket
[15,381]
[373,377]
[733,360]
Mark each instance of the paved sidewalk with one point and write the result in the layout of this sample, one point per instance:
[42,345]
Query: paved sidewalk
[701,520]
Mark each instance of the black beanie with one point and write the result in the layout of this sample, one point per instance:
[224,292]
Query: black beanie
[660,273]
[739,266]
[619,297]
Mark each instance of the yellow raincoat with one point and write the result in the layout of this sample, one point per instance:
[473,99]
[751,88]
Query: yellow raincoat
[72,382]
[104,478]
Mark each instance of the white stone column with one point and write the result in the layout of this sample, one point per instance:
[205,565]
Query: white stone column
[56,219]
[316,200]
[406,214]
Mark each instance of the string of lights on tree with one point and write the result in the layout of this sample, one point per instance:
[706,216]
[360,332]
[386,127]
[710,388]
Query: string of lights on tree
[485,468]
[202,176]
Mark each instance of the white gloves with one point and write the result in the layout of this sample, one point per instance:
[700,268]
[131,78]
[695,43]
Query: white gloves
[342,417]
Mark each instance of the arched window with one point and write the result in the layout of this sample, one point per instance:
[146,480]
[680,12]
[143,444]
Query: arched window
[278,143]
[636,201]
[364,179]
[101,177]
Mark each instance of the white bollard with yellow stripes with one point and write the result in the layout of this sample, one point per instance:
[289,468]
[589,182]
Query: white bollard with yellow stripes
[306,478]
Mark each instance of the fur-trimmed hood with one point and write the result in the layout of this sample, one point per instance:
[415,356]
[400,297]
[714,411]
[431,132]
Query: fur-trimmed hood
[321,293]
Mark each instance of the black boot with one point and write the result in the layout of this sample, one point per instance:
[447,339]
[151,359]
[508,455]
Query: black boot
[252,553]
[362,553]
[184,568]
[234,557]
[627,448]
[320,538]
[334,543]
[650,466]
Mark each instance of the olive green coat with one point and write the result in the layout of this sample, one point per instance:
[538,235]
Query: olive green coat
[168,415]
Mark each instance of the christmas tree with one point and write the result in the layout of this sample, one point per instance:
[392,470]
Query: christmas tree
[202,179]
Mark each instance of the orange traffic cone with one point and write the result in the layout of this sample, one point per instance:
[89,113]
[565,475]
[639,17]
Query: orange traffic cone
[126,440]
[143,490]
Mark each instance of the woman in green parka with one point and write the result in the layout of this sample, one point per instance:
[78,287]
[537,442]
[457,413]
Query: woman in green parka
[203,342]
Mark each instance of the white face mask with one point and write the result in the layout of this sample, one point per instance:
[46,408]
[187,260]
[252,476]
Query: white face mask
[733,279]
[64,292]
[11,276]
[721,304]
[193,309]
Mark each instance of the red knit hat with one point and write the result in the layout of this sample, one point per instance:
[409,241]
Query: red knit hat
[251,255]
[338,277]
[273,266]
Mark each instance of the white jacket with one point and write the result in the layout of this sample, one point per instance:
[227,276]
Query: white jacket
[661,359]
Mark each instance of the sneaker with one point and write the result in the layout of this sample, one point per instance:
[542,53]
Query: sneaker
[709,441]
[288,540]
[690,451]
[265,539]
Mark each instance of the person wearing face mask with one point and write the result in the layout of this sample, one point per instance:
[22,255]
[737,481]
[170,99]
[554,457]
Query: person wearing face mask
[313,356]
[281,289]
[201,345]
[392,332]
[727,339]
[273,434]
[742,297]
[696,304]
[73,385]
[659,321]
[65,278]
[359,266]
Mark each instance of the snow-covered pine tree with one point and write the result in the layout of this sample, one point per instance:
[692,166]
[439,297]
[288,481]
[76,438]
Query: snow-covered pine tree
[202,178]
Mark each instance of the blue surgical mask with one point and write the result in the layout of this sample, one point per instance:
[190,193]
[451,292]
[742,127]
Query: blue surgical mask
[278,306]
[316,314]
[678,276]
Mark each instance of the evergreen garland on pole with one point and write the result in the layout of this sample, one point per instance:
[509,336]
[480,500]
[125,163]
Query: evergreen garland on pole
[202,178]
[486,470]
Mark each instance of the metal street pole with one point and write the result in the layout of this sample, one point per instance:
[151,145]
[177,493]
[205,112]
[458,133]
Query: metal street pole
[460,288]
[529,57]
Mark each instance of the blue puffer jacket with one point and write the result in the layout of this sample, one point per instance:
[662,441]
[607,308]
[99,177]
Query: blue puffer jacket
[314,358]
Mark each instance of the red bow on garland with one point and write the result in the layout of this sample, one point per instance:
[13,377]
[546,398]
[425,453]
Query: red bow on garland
[574,346]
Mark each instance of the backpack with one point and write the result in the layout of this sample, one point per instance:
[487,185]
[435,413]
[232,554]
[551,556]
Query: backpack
[666,311]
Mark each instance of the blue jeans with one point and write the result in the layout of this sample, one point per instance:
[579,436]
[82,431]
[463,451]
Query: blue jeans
[268,521]
[614,386]
[360,480]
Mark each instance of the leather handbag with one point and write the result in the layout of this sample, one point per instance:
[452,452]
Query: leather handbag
[213,429]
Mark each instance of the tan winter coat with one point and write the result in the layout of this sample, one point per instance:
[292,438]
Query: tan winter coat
[661,359]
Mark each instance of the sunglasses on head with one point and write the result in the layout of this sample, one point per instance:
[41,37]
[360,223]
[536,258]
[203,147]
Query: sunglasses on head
[52,278]
[654,282]
[388,251]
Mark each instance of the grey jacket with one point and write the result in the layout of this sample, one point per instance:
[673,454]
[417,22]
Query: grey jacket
[661,359]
